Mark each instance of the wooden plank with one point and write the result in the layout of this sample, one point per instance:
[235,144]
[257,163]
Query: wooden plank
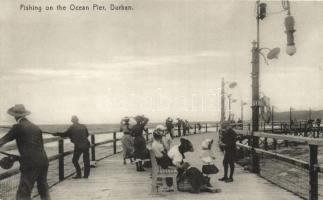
[114,181]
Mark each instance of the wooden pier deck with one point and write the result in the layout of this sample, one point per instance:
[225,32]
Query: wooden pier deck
[112,180]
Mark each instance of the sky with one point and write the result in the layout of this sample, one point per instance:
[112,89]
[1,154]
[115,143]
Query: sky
[161,59]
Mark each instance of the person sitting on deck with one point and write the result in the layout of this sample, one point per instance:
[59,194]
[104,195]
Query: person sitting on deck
[160,147]
[126,140]
[33,159]
[228,144]
[195,178]
[78,134]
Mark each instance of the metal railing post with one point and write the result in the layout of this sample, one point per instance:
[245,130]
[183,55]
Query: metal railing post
[313,173]
[93,147]
[266,144]
[114,142]
[61,159]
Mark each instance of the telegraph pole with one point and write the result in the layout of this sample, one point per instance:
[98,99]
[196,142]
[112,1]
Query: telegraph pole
[255,95]
[222,101]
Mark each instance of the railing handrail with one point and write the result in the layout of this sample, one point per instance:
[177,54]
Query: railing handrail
[307,140]
[14,171]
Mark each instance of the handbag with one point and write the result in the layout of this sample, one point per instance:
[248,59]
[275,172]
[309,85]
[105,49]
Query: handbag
[210,169]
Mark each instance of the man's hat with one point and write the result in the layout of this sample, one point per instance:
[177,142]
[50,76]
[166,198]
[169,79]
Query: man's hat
[74,118]
[18,111]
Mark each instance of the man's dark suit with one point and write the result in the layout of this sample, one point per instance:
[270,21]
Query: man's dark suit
[78,134]
[33,158]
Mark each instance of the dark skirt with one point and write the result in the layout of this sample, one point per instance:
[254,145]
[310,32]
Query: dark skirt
[141,151]
[195,177]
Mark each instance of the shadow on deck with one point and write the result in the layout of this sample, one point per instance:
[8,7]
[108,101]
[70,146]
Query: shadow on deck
[113,180]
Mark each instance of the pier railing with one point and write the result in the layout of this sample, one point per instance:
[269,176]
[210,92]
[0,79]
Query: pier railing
[61,166]
[300,176]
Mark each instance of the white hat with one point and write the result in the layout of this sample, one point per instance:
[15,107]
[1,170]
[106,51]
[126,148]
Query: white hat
[205,144]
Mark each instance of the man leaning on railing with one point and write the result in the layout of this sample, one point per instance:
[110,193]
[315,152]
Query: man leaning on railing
[33,159]
[79,134]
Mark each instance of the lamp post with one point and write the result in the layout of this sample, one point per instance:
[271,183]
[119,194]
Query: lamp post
[256,51]
[230,103]
[222,101]
[229,97]
[231,85]
[290,118]
[241,105]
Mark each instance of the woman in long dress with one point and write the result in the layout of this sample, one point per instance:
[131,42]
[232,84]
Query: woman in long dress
[141,152]
[127,140]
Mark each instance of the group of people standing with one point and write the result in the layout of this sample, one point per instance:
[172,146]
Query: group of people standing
[173,156]
[34,162]
[133,142]
[33,158]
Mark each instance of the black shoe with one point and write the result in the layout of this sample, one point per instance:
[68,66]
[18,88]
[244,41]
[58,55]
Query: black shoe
[85,176]
[223,179]
[141,168]
[124,161]
[77,177]
[229,180]
[137,166]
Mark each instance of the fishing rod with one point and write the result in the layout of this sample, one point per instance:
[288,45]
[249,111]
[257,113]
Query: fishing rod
[8,154]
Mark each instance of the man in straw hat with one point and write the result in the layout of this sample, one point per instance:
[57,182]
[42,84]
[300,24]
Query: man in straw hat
[33,158]
[79,134]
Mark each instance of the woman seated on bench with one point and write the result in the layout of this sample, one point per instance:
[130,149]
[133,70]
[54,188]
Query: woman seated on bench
[160,146]
[197,181]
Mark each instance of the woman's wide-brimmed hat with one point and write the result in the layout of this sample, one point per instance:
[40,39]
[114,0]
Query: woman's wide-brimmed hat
[18,111]
[159,130]
[169,119]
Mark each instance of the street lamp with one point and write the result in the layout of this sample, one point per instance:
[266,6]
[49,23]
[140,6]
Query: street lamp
[242,103]
[273,53]
[231,86]
[230,101]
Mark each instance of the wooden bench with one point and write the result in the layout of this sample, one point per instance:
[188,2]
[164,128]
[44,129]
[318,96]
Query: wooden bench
[158,172]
